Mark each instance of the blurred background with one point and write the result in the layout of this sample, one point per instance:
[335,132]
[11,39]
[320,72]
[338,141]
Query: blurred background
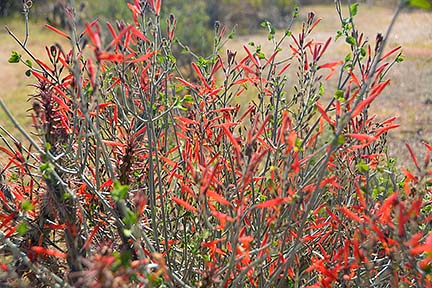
[409,96]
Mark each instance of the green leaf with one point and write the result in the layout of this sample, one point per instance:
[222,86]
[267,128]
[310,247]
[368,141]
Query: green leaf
[188,99]
[26,205]
[120,191]
[28,73]
[351,40]
[298,143]
[270,29]
[15,57]
[22,228]
[29,63]
[321,89]
[130,218]
[296,12]
[362,167]
[341,139]
[339,95]
[261,54]
[348,57]
[423,4]
[46,169]
[399,58]
[353,9]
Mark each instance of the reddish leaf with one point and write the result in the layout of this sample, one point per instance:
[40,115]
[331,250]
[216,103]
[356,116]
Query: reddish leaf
[54,253]
[390,53]
[376,90]
[324,114]
[144,57]
[184,204]
[251,57]
[200,75]
[61,33]
[413,157]
[119,36]
[272,203]
[186,83]
[362,137]
[90,238]
[113,143]
[351,214]
[330,65]
[217,197]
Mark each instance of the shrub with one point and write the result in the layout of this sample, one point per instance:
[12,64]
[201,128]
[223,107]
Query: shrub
[135,176]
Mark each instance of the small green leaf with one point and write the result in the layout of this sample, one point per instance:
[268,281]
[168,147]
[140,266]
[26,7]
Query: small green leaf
[206,258]
[341,139]
[270,29]
[353,9]
[298,143]
[321,89]
[28,73]
[351,40]
[339,95]
[188,99]
[26,205]
[120,191]
[348,57]
[362,167]
[29,63]
[423,4]
[15,57]
[127,232]
[46,168]
[296,12]
[130,218]
[261,54]
[22,228]
[362,51]
[399,58]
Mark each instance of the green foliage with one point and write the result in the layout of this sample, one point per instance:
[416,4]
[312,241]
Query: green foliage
[423,4]
[15,57]
[9,7]
[193,26]
[119,191]
[353,9]
[112,10]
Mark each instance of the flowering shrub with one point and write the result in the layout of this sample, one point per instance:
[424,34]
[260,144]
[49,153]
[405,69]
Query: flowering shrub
[135,176]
